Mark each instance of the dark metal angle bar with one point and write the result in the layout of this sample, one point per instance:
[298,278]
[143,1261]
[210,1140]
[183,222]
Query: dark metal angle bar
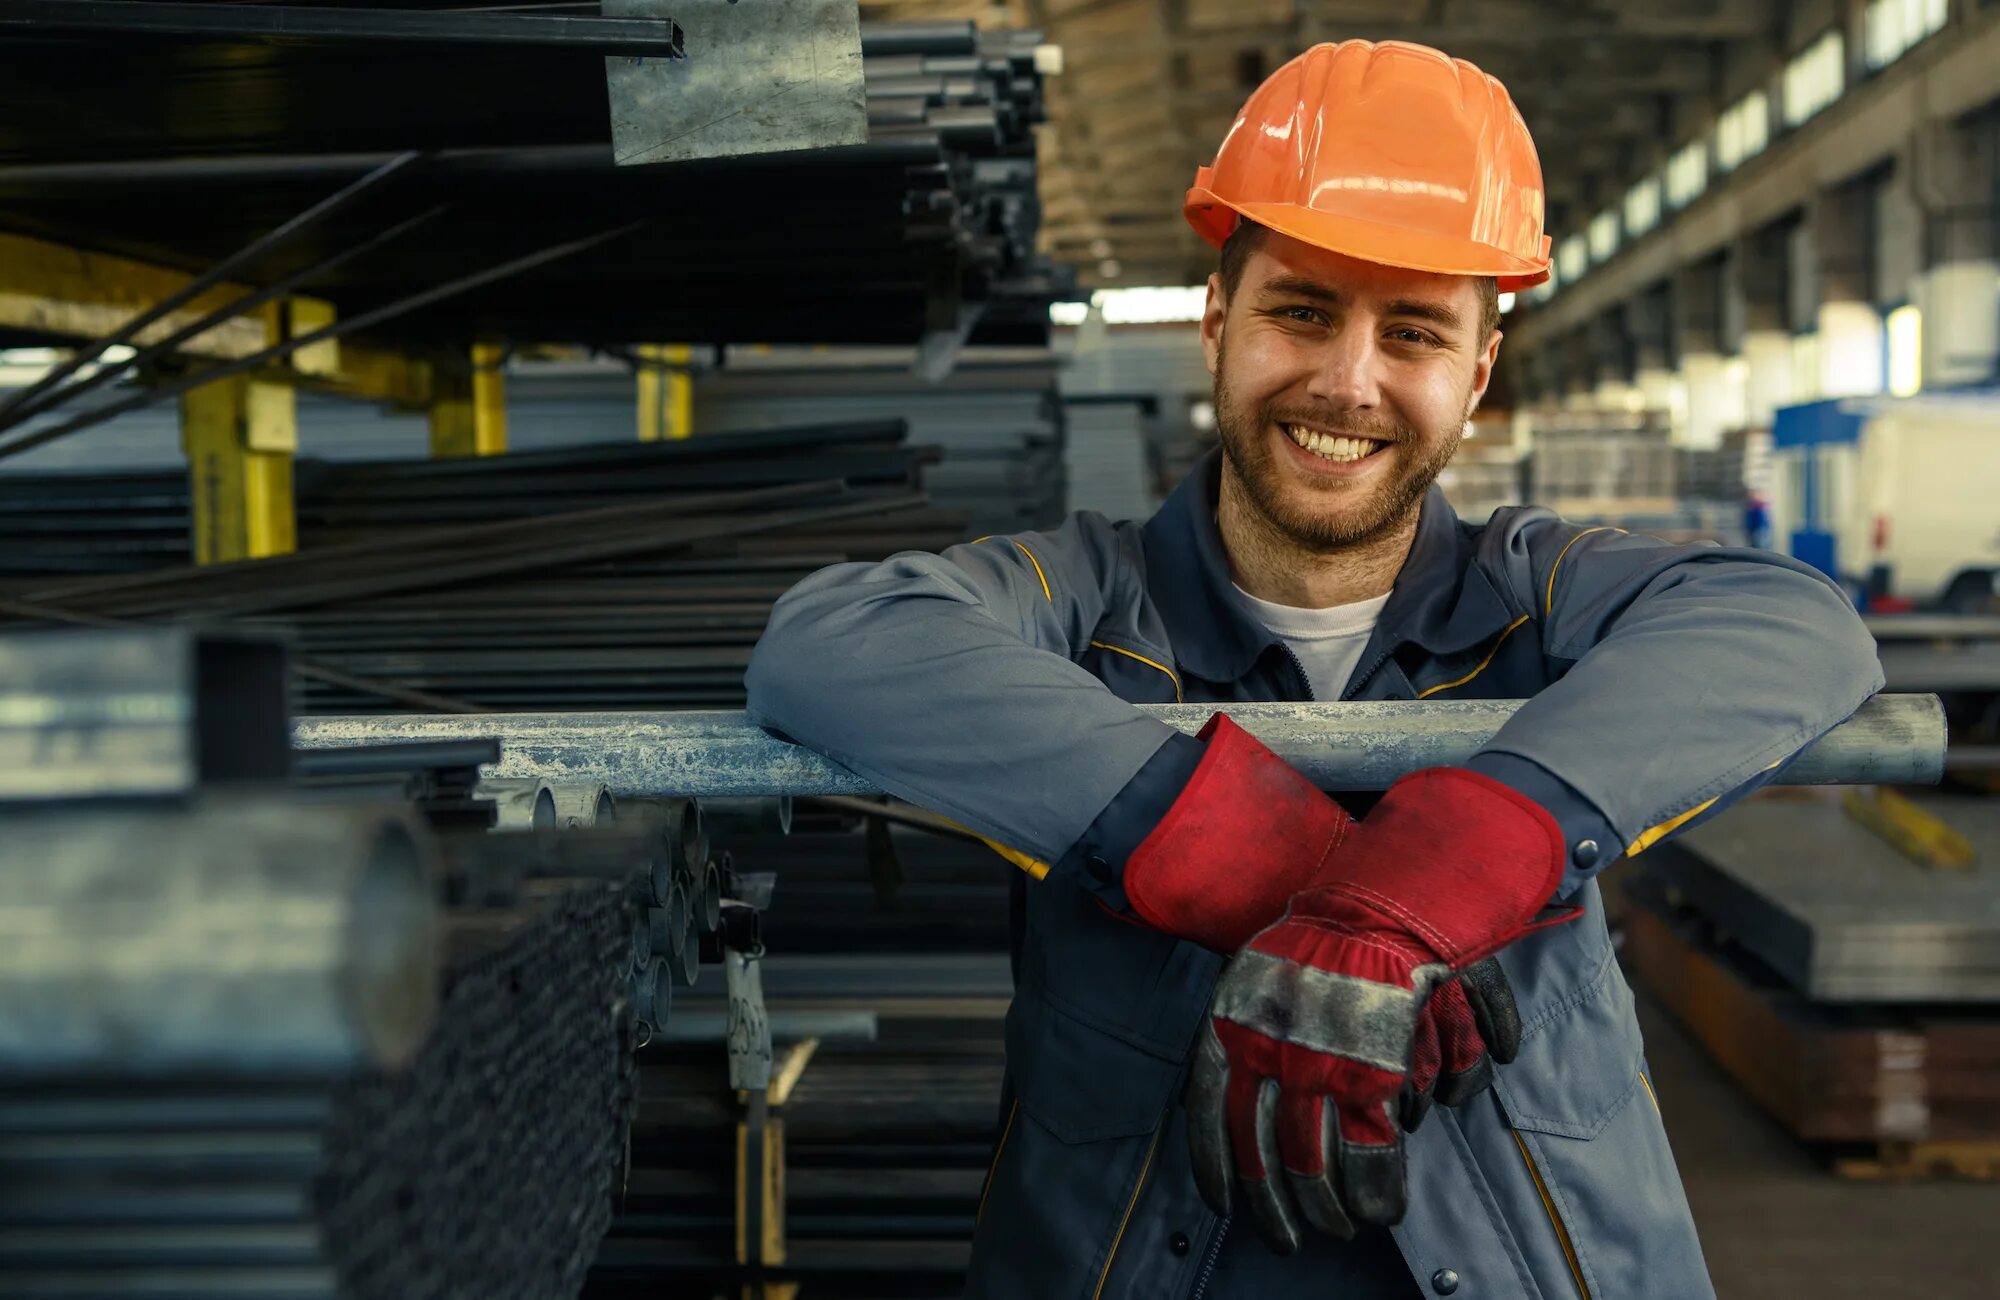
[656,37]
[256,360]
[229,311]
[200,284]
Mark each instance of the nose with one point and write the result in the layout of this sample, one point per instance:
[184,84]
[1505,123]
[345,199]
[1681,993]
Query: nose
[1347,373]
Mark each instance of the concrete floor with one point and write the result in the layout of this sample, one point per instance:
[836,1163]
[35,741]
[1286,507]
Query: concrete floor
[1776,1223]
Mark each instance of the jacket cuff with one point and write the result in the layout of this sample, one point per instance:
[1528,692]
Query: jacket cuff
[1591,842]
[1098,856]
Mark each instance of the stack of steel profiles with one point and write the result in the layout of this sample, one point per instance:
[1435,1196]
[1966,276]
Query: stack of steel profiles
[92,523]
[77,523]
[636,591]
[239,1053]
[1840,914]
[1950,653]
[340,501]
[1107,454]
[900,890]
[927,228]
[887,1137]
[1830,1073]
[996,419]
[449,556]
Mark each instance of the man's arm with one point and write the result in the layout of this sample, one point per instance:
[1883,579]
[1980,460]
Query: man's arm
[951,680]
[1694,674]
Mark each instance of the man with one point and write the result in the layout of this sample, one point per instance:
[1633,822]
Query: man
[1175,1127]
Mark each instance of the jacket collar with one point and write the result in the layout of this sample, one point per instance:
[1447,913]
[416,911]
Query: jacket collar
[1441,601]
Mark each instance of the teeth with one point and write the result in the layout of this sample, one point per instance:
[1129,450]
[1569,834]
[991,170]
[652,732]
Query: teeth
[1331,448]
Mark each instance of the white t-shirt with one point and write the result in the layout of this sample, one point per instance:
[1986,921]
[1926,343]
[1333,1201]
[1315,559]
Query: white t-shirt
[1327,641]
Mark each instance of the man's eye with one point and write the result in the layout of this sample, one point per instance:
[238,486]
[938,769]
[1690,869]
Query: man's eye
[1303,315]
[1415,337]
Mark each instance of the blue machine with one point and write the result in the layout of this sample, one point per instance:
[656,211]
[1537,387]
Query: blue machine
[1803,432]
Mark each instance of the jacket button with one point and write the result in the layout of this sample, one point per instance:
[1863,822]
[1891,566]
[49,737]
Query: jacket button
[1444,1281]
[1178,1243]
[1584,855]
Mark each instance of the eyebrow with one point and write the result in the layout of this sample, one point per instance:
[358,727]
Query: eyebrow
[1299,286]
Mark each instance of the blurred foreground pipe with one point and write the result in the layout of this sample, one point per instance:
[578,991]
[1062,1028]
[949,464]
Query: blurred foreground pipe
[239,935]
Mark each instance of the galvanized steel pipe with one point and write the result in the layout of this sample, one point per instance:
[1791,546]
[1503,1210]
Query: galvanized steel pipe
[240,935]
[1891,740]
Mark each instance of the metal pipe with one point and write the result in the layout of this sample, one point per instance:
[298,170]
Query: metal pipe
[10,409]
[1891,740]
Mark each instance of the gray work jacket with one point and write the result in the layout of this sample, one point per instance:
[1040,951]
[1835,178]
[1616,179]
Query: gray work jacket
[994,682]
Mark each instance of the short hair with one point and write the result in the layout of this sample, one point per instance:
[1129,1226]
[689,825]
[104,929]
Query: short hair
[1248,237]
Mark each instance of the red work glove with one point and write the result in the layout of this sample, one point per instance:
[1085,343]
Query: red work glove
[1325,1019]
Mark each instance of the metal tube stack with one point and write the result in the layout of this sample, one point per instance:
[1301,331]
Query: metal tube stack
[927,228]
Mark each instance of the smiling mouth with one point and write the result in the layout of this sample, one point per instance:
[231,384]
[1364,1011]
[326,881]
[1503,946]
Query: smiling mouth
[1337,448]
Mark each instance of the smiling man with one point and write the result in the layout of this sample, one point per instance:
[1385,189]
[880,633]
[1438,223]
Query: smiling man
[1235,1002]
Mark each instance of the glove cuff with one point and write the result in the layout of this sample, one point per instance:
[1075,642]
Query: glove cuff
[1462,862]
[1245,834]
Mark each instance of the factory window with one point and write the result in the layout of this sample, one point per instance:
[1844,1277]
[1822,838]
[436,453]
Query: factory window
[1573,258]
[1604,235]
[1547,288]
[1743,131]
[1687,174]
[1642,207]
[1815,77]
[1068,313]
[1152,305]
[1894,27]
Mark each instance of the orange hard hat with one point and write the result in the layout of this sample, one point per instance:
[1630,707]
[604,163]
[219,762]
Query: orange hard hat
[1393,153]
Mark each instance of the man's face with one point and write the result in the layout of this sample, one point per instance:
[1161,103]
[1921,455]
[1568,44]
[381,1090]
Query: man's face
[1342,387]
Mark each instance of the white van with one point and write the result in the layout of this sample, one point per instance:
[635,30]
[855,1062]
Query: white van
[1895,497]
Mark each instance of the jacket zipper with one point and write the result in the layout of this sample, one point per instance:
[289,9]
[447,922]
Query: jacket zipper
[1208,1259]
[1299,666]
[1374,664]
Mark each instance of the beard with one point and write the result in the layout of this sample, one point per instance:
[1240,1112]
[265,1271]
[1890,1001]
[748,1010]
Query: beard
[1331,515]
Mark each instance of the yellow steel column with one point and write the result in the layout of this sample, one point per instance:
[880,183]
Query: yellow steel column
[666,392]
[469,413]
[240,435]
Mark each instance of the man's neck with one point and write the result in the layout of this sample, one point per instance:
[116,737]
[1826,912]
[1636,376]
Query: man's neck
[1273,567]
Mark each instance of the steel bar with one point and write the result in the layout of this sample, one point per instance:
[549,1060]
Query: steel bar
[24,408]
[1891,740]
[647,37]
[279,351]
[11,410]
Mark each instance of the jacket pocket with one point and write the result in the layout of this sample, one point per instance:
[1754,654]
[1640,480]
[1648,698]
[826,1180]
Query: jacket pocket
[1079,1153]
[1134,983]
[1594,1193]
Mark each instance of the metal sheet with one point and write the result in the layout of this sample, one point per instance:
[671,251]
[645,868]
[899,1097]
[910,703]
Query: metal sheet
[1840,914]
[757,78]
[1356,746]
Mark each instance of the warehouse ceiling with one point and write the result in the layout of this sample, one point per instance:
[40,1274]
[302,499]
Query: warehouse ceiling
[1150,86]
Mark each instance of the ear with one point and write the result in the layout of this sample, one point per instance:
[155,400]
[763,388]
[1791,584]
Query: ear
[1212,314]
[1482,371]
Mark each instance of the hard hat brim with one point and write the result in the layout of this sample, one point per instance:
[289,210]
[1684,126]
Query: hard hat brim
[1213,218]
